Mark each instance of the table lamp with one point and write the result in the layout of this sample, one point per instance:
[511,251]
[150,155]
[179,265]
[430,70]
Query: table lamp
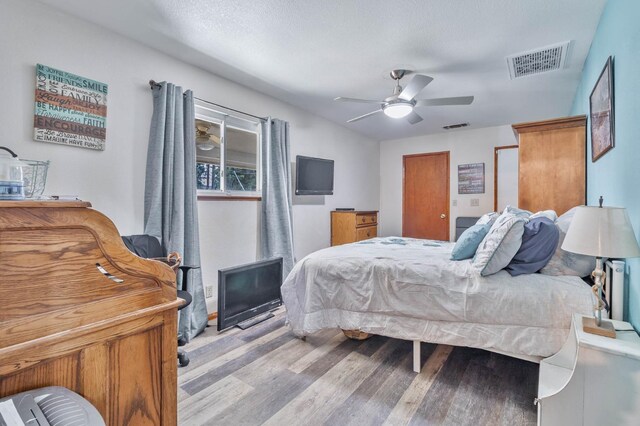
[601,232]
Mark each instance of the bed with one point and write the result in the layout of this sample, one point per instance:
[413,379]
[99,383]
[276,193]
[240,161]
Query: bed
[409,289]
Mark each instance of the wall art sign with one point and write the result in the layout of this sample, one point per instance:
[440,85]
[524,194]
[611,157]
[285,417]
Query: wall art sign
[601,113]
[471,178]
[69,109]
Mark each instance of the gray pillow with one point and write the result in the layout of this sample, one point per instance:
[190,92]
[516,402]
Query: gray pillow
[539,242]
[564,262]
[500,245]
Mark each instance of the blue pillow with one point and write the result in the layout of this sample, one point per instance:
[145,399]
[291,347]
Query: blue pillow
[469,241]
[539,243]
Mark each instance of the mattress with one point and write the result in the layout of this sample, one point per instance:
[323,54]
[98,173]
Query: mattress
[409,289]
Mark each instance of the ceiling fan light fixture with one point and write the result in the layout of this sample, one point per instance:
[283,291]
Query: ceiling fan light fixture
[204,143]
[397,110]
[403,102]
[205,146]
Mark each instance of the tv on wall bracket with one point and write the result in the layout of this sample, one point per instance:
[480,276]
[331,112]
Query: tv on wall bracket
[314,176]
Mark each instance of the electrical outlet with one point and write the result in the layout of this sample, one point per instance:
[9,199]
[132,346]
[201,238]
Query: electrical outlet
[208,291]
[454,203]
[475,202]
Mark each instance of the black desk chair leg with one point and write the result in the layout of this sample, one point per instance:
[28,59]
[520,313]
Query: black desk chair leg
[183,358]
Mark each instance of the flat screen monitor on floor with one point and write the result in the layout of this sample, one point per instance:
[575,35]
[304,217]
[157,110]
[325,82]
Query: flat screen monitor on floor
[247,291]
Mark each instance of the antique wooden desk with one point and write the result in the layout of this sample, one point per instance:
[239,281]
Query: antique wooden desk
[77,309]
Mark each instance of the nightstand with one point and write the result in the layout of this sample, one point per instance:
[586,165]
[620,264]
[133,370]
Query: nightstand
[592,380]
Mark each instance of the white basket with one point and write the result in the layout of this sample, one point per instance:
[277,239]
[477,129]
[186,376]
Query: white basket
[35,177]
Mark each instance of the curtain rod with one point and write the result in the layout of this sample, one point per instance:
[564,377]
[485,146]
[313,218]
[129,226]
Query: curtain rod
[153,84]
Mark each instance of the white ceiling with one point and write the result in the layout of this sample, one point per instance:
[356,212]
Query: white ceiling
[307,52]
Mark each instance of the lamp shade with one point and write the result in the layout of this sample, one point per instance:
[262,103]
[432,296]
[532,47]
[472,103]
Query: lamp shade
[601,232]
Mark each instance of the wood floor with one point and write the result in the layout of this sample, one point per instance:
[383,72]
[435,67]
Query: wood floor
[265,375]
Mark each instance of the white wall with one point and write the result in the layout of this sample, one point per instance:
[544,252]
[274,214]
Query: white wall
[465,146]
[507,178]
[113,180]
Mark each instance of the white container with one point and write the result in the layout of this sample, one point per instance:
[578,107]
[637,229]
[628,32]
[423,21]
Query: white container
[11,176]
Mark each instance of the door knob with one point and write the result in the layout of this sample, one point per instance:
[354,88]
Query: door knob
[443,216]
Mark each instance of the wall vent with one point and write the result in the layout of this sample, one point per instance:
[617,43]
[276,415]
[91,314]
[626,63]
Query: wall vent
[455,126]
[545,59]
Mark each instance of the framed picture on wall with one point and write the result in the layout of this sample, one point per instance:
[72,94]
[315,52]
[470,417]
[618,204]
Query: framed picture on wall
[471,178]
[69,109]
[601,113]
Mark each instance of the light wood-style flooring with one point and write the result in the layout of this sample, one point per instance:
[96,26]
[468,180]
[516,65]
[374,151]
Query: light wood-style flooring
[265,375]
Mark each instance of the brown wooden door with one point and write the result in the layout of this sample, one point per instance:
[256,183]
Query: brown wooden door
[425,200]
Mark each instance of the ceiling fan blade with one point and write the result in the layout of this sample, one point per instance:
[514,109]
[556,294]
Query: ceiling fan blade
[364,116]
[414,118]
[459,100]
[415,86]
[362,101]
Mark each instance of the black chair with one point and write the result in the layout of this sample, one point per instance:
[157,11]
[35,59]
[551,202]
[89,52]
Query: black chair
[149,247]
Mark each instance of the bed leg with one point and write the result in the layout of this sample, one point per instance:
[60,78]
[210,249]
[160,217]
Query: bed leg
[416,356]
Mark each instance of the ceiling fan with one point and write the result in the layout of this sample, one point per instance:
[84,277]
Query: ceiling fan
[402,103]
[205,139]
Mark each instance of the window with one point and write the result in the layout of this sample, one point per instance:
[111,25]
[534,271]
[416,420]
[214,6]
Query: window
[227,153]
[208,154]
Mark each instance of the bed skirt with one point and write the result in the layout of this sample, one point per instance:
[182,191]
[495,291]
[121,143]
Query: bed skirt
[531,343]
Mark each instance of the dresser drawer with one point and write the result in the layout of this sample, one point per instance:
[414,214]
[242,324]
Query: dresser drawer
[365,233]
[366,219]
[353,225]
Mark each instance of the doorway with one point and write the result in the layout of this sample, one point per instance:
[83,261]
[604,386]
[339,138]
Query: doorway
[505,177]
[425,196]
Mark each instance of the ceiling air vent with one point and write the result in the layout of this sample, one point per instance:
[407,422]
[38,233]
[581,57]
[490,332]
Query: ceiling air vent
[455,126]
[550,58]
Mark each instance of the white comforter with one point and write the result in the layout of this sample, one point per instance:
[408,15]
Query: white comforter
[409,289]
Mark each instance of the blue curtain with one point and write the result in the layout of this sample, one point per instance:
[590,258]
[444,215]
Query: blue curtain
[277,216]
[170,200]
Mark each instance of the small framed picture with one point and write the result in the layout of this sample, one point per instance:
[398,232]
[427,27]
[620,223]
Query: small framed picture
[601,113]
[471,178]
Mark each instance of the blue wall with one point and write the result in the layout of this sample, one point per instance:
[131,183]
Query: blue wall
[616,175]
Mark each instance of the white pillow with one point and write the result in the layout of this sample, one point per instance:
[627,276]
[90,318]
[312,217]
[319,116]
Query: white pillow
[487,218]
[525,214]
[500,245]
[564,262]
[549,214]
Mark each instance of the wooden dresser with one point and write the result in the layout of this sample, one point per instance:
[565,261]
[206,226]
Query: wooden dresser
[81,311]
[351,226]
[552,164]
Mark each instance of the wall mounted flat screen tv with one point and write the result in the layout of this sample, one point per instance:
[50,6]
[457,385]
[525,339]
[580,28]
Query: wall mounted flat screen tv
[247,291]
[314,176]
